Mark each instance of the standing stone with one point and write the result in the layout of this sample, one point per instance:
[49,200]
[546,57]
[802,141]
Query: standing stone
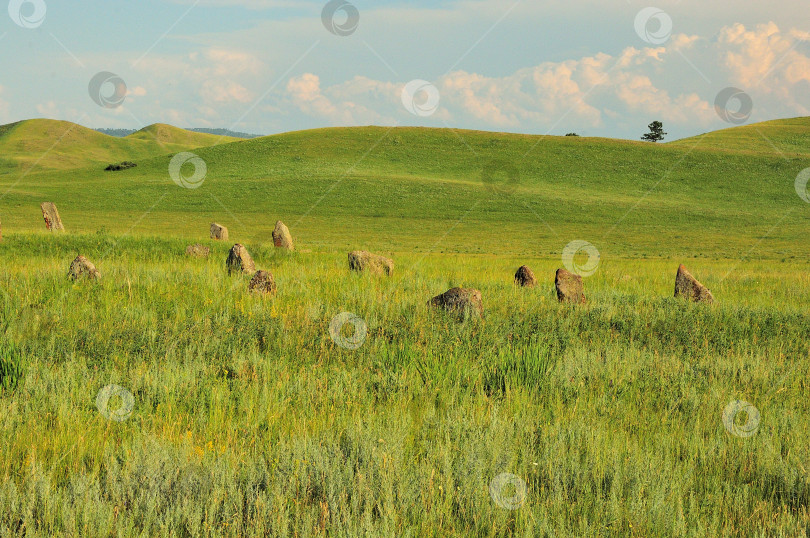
[220,233]
[569,287]
[51,216]
[263,282]
[360,261]
[282,237]
[525,277]
[198,251]
[81,267]
[461,301]
[239,260]
[687,286]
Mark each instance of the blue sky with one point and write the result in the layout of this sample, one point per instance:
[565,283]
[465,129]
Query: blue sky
[530,66]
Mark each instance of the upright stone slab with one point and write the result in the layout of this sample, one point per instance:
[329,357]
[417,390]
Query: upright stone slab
[460,301]
[81,267]
[569,287]
[220,233]
[239,260]
[360,260]
[282,237]
[525,277]
[688,286]
[51,216]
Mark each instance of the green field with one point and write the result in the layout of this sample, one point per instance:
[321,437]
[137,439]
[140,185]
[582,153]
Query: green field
[247,418]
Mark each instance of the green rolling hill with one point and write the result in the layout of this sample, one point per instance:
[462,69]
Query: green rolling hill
[788,138]
[728,193]
[35,145]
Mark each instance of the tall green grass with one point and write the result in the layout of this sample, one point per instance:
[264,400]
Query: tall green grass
[249,420]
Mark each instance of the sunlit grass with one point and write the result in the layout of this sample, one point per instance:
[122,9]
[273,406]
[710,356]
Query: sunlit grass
[248,419]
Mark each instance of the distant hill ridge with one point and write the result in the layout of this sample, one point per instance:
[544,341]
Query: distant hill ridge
[729,193]
[121,133]
[44,144]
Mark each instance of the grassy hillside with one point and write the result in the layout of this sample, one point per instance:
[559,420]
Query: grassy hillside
[415,189]
[787,138]
[35,145]
[170,136]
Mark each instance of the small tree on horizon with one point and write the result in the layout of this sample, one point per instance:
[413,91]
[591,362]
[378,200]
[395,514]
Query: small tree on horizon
[656,133]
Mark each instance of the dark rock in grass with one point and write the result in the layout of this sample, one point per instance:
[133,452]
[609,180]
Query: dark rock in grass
[51,216]
[282,237]
[81,267]
[525,277]
[569,287]
[239,260]
[461,301]
[688,286]
[360,260]
[262,282]
[220,233]
[198,251]
[120,166]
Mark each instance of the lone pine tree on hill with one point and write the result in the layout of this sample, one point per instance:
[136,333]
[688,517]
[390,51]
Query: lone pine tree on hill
[656,133]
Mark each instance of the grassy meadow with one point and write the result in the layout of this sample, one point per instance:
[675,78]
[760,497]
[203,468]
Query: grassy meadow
[249,420]
[242,415]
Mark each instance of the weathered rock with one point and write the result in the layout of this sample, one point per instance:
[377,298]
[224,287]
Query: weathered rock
[220,233]
[569,287]
[81,267]
[462,301]
[262,282]
[688,286]
[525,277]
[198,251]
[239,260]
[282,237]
[360,260]
[51,216]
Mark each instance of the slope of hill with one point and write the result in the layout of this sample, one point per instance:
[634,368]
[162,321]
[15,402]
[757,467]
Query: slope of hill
[168,135]
[419,189]
[39,144]
[788,137]
[218,131]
